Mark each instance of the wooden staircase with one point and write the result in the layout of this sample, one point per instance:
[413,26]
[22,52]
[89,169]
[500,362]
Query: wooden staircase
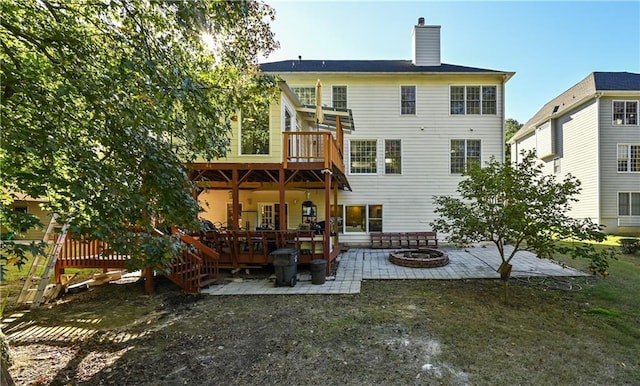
[197,266]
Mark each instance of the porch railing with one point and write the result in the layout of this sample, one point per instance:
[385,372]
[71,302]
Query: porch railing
[313,147]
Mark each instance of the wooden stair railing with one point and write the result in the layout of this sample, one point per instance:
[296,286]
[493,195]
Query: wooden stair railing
[196,267]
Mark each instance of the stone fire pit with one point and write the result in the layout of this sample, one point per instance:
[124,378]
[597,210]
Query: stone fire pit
[419,258]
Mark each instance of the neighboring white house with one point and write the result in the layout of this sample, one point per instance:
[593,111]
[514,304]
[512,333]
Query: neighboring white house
[419,123]
[592,132]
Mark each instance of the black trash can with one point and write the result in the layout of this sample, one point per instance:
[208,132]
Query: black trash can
[318,268]
[285,263]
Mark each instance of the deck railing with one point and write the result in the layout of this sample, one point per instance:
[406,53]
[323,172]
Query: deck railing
[313,147]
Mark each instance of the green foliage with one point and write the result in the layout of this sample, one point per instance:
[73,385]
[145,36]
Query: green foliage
[105,102]
[511,128]
[629,245]
[518,204]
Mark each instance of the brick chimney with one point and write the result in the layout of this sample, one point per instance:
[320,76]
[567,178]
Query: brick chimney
[426,44]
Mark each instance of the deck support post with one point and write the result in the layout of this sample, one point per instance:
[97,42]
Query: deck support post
[327,218]
[281,199]
[148,281]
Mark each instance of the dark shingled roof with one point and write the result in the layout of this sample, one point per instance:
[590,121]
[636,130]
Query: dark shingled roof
[588,87]
[365,66]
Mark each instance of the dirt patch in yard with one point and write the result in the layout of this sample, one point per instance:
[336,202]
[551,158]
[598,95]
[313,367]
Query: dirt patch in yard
[394,332]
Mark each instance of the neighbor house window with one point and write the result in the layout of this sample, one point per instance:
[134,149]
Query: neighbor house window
[392,156]
[629,204]
[339,97]
[254,132]
[408,100]
[363,218]
[556,165]
[629,158]
[363,156]
[625,112]
[473,100]
[306,95]
[464,153]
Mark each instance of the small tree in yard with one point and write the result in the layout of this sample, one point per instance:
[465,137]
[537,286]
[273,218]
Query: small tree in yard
[517,204]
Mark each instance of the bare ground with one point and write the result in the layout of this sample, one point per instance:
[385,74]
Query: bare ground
[394,332]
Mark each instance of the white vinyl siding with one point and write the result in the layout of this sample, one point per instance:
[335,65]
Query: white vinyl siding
[544,141]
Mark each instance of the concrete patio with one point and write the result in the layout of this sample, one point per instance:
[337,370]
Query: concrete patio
[356,265]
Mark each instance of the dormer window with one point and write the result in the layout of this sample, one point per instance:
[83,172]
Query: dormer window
[625,112]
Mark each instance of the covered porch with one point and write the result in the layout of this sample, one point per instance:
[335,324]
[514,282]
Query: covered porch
[255,208]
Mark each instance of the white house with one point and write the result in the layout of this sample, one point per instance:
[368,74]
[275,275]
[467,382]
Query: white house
[592,132]
[419,123]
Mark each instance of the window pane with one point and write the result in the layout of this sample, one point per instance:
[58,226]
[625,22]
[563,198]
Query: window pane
[457,156]
[631,113]
[340,97]
[623,156]
[339,216]
[618,113]
[254,130]
[473,100]
[407,100]
[623,204]
[489,100]
[473,152]
[375,218]
[392,156]
[306,95]
[355,221]
[363,156]
[634,158]
[457,100]
[635,204]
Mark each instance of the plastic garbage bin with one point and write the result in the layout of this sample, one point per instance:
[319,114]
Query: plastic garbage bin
[318,268]
[285,263]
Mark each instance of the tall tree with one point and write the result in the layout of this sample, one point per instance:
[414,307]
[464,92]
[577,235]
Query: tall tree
[105,101]
[511,128]
[518,204]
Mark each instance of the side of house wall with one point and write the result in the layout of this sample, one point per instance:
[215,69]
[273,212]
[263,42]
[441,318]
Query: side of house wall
[612,181]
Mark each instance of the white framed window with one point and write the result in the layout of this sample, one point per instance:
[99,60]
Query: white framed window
[408,100]
[339,97]
[363,156]
[363,218]
[628,203]
[628,158]
[625,112]
[306,95]
[473,100]
[392,156]
[464,153]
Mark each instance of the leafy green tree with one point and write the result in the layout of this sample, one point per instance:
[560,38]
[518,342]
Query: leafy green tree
[519,205]
[105,102]
[511,128]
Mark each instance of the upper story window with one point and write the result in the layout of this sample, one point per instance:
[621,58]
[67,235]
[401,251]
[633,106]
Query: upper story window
[362,157]
[306,95]
[473,100]
[339,97]
[254,132]
[629,158]
[625,112]
[629,204]
[408,100]
[392,156]
[464,153]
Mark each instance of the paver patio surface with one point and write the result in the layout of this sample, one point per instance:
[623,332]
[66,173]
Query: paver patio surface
[356,265]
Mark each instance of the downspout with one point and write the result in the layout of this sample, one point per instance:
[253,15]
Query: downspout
[504,117]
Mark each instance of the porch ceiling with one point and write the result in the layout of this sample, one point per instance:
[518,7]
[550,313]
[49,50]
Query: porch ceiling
[308,175]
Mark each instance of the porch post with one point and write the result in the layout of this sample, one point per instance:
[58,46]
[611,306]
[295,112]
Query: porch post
[334,228]
[327,218]
[235,199]
[281,190]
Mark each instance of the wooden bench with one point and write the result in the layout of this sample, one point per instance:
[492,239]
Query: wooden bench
[403,239]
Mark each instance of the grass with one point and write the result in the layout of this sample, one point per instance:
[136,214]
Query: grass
[568,331]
